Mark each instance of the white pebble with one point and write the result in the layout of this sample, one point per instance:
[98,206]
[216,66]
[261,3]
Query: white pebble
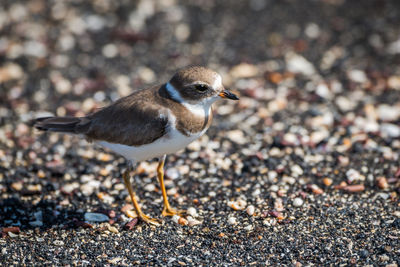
[192,221]
[172,173]
[192,212]
[297,202]
[150,187]
[296,170]
[250,210]
[232,220]
[175,218]
[248,227]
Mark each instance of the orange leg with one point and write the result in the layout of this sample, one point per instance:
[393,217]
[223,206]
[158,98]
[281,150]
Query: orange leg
[167,210]
[139,212]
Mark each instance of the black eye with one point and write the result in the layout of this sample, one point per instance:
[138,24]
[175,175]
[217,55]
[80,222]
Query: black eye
[201,87]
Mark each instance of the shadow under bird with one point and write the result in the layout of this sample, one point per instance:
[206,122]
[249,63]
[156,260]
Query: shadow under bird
[150,123]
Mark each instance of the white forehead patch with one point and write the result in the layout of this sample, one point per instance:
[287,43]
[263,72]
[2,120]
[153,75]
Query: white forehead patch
[217,82]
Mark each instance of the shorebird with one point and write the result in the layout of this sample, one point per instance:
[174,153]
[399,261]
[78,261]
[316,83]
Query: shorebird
[150,123]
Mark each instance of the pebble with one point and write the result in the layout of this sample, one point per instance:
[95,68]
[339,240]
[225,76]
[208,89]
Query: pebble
[327,181]
[175,218]
[131,224]
[354,175]
[388,113]
[316,189]
[17,186]
[192,212]
[36,223]
[354,188]
[95,217]
[297,202]
[182,221]
[192,221]
[239,204]
[112,229]
[244,70]
[296,170]
[232,220]
[358,76]
[250,210]
[298,64]
[390,130]
[172,173]
[150,187]
[382,182]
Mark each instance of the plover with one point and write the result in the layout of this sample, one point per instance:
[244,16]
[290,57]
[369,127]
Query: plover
[150,123]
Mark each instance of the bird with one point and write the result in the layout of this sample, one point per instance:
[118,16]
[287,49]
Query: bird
[150,123]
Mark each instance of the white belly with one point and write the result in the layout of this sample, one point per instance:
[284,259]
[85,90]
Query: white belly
[170,143]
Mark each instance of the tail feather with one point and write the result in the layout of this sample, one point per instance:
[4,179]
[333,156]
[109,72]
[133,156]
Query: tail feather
[62,124]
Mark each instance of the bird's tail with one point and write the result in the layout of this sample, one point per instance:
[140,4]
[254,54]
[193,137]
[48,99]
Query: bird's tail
[74,125]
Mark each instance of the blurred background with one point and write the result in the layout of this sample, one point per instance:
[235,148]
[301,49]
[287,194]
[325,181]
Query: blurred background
[319,117]
[55,52]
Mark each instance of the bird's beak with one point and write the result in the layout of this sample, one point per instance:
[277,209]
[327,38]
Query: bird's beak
[226,94]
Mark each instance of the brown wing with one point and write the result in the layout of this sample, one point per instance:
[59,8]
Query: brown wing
[133,120]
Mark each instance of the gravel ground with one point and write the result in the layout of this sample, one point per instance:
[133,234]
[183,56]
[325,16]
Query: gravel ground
[303,170]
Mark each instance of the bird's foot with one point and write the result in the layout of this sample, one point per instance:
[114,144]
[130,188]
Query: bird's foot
[143,217]
[168,211]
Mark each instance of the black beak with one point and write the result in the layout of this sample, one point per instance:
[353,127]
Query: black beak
[226,94]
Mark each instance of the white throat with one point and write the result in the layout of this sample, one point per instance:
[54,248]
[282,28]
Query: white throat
[201,108]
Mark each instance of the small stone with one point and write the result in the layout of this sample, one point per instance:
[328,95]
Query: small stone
[357,76]
[276,214]
[192,221]
[388,113]
[248,227]
[104,157]
[354,175]
[11,234]
[354,188]
[232,220]
[384,258]
[34,188]
[237,205]
[192,212]
[131,224]
[296,170]
[244,70]
[327,181]
[390,130]
[298,64]
[250,210]
[150,187]
[14,229]
[182,221]
[36,223]
[114,261]
[297,202]
[394,82]
[382,182]
[176,218]
[17,186]
[95,217]
[41,174]
[83,224]
[112,229]
[172,173]
[316,189]
[58,242]
[274,188]
[104,172]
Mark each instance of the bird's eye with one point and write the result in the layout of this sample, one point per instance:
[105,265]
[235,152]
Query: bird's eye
[201,87]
